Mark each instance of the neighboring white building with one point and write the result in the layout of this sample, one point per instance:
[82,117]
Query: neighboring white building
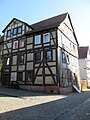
[84,63]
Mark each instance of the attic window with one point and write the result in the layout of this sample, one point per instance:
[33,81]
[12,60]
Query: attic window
[14,31]
[14,22]
[28,29]
[19,29]
[8,33]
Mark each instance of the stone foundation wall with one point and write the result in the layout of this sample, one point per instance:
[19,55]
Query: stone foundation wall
[47,89]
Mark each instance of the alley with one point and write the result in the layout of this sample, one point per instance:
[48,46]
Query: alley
[24,105]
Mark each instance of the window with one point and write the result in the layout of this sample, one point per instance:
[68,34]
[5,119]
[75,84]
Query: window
[19,30]
[63,58]
[20,76]
[15,44]
[8,33]
[22,43]
[48,55]
[74,48]
[14,60]
[68,59]
[65,82]
[21,59]
[29,77]
[13,76]
[8,61]
[37,56]
[46,38]
[37,39]
[14,31]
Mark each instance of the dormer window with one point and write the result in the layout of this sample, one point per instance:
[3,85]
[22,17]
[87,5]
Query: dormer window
[8,33]
[19,29]
[14,31]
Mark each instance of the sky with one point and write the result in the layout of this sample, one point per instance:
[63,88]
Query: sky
[32,11]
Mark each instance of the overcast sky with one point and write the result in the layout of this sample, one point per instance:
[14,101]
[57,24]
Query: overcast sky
[32,11]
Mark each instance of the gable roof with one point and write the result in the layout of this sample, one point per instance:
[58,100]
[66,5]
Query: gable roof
[48,23]
[51,23]
[16,20]
[82,52]
[45,24]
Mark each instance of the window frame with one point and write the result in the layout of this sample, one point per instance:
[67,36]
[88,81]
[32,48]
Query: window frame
[37,60]
[19,56]
[45,41]
[51,56]
[68,58]
[64,59]
[15,29]
[20,41]
[29,76]
[8,33]
[35,41]
[20,27]
[8,61]
[14,44]
[20,80]
[14,62]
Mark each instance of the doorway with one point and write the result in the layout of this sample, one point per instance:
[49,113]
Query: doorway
[5,81]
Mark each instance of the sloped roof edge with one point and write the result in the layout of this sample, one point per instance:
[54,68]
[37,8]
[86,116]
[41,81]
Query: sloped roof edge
[82,52]
[17,20]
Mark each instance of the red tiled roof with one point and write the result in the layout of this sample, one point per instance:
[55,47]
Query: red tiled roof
[82,52]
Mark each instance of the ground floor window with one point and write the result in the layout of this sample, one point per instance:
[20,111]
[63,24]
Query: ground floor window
[29,77]
[66,78]
[13,76]
[20,76]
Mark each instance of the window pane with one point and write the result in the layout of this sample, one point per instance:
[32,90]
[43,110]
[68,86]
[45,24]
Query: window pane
[19,29]
[49,55]
[29,77]
[20,76]
[9,33]
[22,43]
[37,39]
[46,38]
[13,76]
[38,56]
[15,31]
[63,58]
[15,44]
[8,61]
[21,59]
[14,62]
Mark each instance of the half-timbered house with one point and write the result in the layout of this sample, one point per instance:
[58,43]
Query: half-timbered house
[42,56]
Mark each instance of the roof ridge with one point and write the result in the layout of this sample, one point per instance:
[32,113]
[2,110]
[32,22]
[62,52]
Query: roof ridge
[49,18]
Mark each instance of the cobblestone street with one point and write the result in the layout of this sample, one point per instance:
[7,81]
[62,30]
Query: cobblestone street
[24,105]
